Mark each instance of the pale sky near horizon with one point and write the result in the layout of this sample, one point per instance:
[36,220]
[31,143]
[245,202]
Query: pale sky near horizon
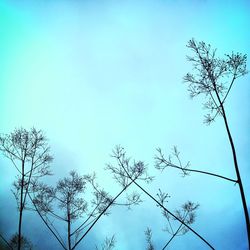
[94,74]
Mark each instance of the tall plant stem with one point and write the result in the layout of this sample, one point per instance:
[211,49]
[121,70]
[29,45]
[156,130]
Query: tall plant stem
[21,210]
[242,193]
[69,225]
[69,237]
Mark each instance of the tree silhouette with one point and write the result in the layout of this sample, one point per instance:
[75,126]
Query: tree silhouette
[213,78]
[29,153]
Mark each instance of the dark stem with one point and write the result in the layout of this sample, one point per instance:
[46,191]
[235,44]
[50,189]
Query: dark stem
[225,97]
[172,237]
[176,232]
[182,222]
[99,216]
[158,203]
[242,193]
[79,228]
[21,210]
[69,225]
[29,179]
[204,172]
[69,232]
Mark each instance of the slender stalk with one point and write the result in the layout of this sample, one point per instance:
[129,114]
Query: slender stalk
[69,225]
[158,203]
[176,232]
[172,237]
[221,106]
[69,232]
[242,193]
[225,97]
[29,179]
[56,216]
[205,172]
[21,210]
[79,228]
[208,76]
[182,222]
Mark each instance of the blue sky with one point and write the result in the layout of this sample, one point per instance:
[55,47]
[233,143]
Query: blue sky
[94,74]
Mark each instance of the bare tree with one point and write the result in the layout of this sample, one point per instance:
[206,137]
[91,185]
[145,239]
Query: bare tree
[29,153]
[213,78]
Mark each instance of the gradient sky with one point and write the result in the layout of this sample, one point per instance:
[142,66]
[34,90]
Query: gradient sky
[94,74]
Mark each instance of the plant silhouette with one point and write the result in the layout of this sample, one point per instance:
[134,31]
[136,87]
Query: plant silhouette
[213,78]
[67,202]
[124,171]
[77,202]
[29,153]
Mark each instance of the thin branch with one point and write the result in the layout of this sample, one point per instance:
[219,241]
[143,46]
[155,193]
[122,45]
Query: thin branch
[172,237]
[15,165]
[225,97]
[111,202]
[45,222]
[56,216]
[206,65]
[28,183]
[165,209]
[82,228]
[176,232]
[215,103]
[162,159]
[205,172]
[79,228]
[242,193]
[52,225]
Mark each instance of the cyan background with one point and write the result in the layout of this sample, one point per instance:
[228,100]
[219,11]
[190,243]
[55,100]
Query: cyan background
[94,74]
